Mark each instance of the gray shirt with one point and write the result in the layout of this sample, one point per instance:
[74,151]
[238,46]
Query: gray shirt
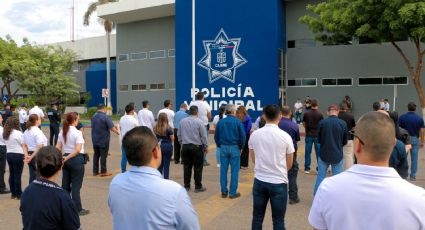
[192,131]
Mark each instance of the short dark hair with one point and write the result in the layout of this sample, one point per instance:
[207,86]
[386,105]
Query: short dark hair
[314,103]
[411,107]
[386,99]
[167,103]
[343,106]
[101,106]
[286,110]
[376,106]
[48,161]
[271,112]
[199,96]
[145,104]
[129,108]
[193,110]
[138,144]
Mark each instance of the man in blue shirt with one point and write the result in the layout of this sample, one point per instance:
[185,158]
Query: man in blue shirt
[101,124]
[413,123]
[141,198]
[286,124]
[230,137]
[332,136]
[182,113]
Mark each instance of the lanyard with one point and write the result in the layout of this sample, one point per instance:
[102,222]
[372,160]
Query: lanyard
[46,184]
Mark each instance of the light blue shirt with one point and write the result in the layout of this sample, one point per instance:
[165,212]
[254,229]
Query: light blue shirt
[178,117]
[141,199]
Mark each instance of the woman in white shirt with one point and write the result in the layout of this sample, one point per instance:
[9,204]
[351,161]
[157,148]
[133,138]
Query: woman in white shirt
[15,155]
[216,119]
[34,140]
[71,141]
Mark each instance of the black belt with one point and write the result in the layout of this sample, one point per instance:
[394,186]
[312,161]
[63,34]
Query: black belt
[199,146]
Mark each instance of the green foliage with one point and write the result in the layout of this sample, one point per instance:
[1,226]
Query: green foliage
[29,102]
[91,111]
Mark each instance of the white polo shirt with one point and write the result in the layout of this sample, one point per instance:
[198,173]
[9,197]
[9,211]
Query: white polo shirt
[23,116]
[146,118]
[271,145]
[38,111]
[14,142]
[203,109]
[33,137]
[368,197]
[73,137]
[170,116]
[1,136]
[127,123]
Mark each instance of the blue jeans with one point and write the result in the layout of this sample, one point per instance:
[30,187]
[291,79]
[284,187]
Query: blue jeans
[309,141]
[278,196]
[167,151]
[323,169]
[298,117]
[16,166]
[414,156]
[217,155]
[229,155]
[123,160]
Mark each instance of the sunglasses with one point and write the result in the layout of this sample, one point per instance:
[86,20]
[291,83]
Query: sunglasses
[352,133]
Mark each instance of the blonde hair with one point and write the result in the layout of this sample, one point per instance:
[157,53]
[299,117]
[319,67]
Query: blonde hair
[161,126]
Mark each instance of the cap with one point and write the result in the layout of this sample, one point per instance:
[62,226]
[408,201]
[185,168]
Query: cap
[332,107]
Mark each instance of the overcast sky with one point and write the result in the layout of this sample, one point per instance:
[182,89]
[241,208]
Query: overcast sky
[45,21]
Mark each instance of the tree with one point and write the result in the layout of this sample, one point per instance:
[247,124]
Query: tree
[108,25]
[339,21]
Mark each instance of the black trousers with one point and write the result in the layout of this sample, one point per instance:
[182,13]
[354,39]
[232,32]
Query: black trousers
[245,153]
[100,153]
[292,178]
[192,156]
[72,178]
[31,168]
[54,134]
[2,166]
[23,127]
[177,147]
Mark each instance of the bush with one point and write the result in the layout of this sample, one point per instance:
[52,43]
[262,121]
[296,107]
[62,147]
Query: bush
[91,111]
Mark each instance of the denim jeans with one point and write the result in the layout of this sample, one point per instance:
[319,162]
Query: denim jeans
[292,179]
[72,178]
[245,152]
[217,155]
[229,155]
[277,194]
[166,151]
[177,147]
[298,117]
[309,141]
[123,160]
[414,156]
[32,170]
[16,166]
[100,153]
[2,166]
[323,170]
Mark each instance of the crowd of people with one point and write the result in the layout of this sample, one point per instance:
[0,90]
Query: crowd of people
[359,155]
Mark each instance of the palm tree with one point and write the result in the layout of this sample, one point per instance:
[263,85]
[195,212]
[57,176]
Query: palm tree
[108,25]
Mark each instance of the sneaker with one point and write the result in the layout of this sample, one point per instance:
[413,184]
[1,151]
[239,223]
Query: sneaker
[412,178]
[291,201]
[176,162]
[223,195]
[83,212]
[95,174]
[307,171]
[218,165]
[203,189]
[235,196]
[105,174]
[12,197]
[5,191]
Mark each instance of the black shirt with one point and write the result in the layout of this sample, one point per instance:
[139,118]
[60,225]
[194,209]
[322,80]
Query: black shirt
[45,205]
[311,119]
[6,114]
[332,136]
[54,117]
[349,120]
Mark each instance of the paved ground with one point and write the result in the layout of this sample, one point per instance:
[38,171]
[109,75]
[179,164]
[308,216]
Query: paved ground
[214,212]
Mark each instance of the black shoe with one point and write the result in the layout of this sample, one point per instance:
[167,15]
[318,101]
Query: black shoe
[176,162]
[412,178]
[291,201]
[12,197]
[187,189]
[95,174]
[235,196]
[223,195]
[5,191]
[206,164]
[83,212]
[203,189]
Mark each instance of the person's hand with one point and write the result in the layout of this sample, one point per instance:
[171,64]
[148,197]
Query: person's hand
[27,159]
[408,148]
[65,159]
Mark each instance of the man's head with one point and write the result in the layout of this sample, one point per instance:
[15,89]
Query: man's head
[183,106]
[271,114]
[286,111]
[230,109]
[314,104]
[333,110]
[199,96]
[167,104]
[145,104]
[376,106]
[7,107]
[193,111]
[375,138]
[411,107]
[141,147]
[386,100]
[129,109]
[101,107]
[54,106]
[343,107]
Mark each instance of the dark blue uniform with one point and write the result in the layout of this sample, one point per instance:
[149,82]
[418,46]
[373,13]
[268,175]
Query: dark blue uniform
[55,120]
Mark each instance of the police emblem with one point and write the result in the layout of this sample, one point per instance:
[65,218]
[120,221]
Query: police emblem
[222,57]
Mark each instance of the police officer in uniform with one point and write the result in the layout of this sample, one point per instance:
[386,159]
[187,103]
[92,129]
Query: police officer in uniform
[55,120]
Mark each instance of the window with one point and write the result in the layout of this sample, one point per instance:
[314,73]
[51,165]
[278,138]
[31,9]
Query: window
[395,80]
[123,87]
[138,87]
[157,54]
[337,82]
[303,82]
[171,53]
[123,57]
[157,86]
[291,44]
[139,56]
[370,81]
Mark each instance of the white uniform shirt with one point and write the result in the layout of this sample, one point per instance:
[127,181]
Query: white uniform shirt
[203,109]
[271,145]
[170,116]
[23,116]
[1,136]
[73,137]
[217,119]
[33,137]
[14,142]
[127,123]
[146,118]
[38,111]
[368,197]
[298,107]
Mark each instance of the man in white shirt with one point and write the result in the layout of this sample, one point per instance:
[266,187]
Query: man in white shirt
[38,111]
[369,195]
[298,110]
[145,116]
[204,113]
[23,117]
[170,113]
[271,151]
[127,123]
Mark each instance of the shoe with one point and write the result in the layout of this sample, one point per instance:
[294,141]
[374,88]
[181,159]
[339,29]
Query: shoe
[203,189]
[223,195]
[83,212]
[244,168]
[12,197]
[95,174]
[105,174]
[412,178]
[5,191]
[187,189]
[307,171]
[176,162]
[291,201]
[238,194]
[206,164]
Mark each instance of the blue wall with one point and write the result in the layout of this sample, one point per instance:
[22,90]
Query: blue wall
[260,28]
[96,81]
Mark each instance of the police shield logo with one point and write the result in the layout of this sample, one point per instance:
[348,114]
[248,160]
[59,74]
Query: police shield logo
[222,57]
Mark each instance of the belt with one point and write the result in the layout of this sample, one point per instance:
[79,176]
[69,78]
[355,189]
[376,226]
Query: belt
[199,146]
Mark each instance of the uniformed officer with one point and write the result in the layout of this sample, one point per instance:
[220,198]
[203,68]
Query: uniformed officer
[6,113]
[55,120]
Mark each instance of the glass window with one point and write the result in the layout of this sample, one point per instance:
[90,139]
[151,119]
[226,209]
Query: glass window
[157,54]
[123,87]
[171,53]
[161,86]
[370,81]
[294,82]
[291,44]
[134,87]
[309,82]
[395,80]
[328,81]
[123,57]
[345,81]
[139,56]
[142,87]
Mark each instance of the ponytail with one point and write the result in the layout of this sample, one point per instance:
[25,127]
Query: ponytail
[69,119]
